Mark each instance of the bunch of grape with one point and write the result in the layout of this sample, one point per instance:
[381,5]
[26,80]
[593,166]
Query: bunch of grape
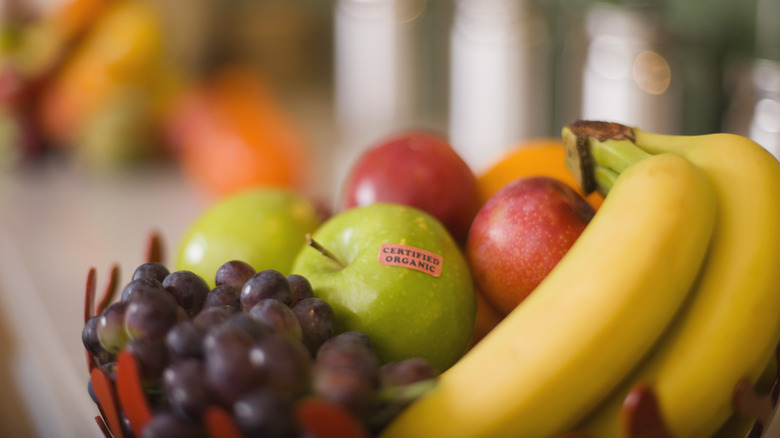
[258,344]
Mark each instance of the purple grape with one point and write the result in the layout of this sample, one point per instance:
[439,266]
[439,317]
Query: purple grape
[189,290]
[214,316]
[171,425]
[300,288]
[354,358]
[354,391]
[89,338]
[267,284]
[265,413]
[153,270]
[140,285]
[401,382]
[317,320]
[229,372]
[405,372]
[278,317]
[185,340]
[111,327]
[152,314]
[284,363]
[234,273]
[247,324]
[91,392]
[223,295]
[354,338]
[152,356]
[185,385]
[127,428]
[347,374]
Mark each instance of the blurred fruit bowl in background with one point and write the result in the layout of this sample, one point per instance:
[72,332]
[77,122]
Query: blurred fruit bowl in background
[93,81]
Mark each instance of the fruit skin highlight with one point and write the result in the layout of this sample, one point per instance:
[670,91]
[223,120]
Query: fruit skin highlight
[589,323]
[263,227]
[730,327]
[406,312]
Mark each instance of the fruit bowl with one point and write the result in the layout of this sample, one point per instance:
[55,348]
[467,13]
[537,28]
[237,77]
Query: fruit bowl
[124,407]
[131,387]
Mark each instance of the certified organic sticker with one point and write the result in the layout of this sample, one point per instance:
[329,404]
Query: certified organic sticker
[410,257]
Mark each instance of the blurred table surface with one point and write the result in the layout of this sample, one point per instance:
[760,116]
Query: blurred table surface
[56,224]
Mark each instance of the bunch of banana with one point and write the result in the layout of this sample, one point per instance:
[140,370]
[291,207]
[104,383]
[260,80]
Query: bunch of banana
[730,327]
[671,286]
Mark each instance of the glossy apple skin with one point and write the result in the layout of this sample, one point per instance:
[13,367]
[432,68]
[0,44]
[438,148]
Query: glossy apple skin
[263,227]
[520,234]
[407,313]
[419,169]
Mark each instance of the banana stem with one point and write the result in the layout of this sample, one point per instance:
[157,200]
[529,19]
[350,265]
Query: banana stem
[597,152]
[604,179]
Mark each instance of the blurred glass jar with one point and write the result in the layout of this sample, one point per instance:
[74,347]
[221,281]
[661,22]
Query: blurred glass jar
[764,125]
[627,73]
[379,57]
[287,40]
[375,65]
[754,85]
[755,103]
[500,77]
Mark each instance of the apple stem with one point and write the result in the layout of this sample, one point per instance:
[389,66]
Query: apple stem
[324,251]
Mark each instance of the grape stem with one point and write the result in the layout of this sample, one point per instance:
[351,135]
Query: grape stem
[324,251]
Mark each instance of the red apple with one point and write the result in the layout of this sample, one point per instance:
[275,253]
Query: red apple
[419,169]
[520,234]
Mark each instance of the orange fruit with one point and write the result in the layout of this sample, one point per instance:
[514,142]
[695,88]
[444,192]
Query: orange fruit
[230,134]
[538,157]
[487,318]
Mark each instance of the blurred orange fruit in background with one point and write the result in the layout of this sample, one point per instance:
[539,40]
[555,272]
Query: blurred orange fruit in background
[538,157]
[123,48]
[230,134]
[71,19]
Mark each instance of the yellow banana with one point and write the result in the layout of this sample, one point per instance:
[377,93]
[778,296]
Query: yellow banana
[588,323]
[731,325]
[739,425]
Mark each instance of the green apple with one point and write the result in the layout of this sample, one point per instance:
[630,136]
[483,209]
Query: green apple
[264,227]
[394,273]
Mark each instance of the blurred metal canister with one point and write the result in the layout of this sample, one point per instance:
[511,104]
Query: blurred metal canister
[627,76]
[765,121]
[755,101]
[375,72]
[764,126]
[500,77]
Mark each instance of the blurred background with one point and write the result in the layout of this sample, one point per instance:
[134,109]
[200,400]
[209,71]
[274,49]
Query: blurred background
[106,84]
[120,117]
